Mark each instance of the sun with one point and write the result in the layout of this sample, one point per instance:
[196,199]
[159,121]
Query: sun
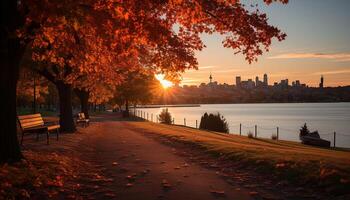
[165,83]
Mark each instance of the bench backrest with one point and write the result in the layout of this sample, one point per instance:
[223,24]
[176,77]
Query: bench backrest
[81,115]
[29,121]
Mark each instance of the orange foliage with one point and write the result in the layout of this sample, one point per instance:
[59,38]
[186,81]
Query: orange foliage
[99,39]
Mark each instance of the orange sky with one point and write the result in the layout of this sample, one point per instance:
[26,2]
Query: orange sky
[318,43]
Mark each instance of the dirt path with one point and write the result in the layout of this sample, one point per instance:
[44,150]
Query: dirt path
[141,168]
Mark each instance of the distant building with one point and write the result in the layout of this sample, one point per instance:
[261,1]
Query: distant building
[296,83]
[238,81]
[249,84]
[265,80]
[321,82]
[210,78]
[283,84]
[258,83]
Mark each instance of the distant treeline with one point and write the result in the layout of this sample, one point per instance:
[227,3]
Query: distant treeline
[231,94]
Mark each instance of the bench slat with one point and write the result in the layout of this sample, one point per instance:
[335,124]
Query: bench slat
[32,124]
[29,116]
[30,120]
[53,127]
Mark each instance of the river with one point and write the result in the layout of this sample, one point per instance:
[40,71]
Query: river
[327,118]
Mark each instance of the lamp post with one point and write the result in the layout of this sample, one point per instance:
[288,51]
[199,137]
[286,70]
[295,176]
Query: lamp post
[34,94]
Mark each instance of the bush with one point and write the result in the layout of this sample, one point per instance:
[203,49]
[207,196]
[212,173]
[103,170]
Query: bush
[250,134]
[214,123]
[274,137]
[165,117]
[304,130]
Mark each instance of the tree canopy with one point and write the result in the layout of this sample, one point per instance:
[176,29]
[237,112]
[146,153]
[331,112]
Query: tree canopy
[81,43]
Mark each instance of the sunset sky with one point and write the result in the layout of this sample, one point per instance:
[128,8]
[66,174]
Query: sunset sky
[317,43]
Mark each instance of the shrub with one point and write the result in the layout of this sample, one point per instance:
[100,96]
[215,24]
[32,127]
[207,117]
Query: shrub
[165,117]
[214,123]
[304,130]
[250,134]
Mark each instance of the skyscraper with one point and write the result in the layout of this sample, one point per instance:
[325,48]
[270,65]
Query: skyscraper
[210,78]
[238,81]
[265,80]
[321,82]
[257,81]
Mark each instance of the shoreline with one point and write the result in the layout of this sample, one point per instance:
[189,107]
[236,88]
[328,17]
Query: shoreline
[165,106]
[199,105]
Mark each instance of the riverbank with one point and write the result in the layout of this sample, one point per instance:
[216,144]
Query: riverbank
[166,106]
[326,170]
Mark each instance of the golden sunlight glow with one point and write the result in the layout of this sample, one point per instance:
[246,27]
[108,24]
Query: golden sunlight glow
[165,83]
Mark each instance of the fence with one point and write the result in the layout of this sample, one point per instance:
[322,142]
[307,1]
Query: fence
[241,128]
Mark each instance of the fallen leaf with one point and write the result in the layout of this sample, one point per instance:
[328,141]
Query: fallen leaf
[253,193]
[218,192]
[166,184]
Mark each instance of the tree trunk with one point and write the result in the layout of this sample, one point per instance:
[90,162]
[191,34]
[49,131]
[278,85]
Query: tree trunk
[126,111]
[66,111]
[10,55]
[127,105]
[84,101]
[9,147]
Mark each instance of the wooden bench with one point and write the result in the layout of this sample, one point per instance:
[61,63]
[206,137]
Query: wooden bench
[35,124]
[82,119]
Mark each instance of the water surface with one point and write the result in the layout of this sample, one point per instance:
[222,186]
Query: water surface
[327,118]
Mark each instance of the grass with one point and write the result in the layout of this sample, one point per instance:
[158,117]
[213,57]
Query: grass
[291,161]
[43,111]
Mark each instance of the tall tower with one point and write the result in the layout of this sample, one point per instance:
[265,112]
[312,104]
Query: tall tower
[210,78]
[321,82]
[238,81]
[257,81]
[265,80]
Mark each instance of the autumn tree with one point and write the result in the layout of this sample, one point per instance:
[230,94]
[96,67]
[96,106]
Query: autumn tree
[70,33]
[137,87]
[31,89]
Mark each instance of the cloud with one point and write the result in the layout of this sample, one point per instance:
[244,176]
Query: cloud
[340,57]
[333,72]
[203,70]
[207,67]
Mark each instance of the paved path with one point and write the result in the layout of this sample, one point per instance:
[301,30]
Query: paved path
[142,168]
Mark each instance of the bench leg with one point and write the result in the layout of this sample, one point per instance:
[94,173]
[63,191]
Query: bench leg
[57,132]
[22,138]
[47,137]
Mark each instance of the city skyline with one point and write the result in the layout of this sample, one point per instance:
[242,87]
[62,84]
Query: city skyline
[262,81]
[317,44]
